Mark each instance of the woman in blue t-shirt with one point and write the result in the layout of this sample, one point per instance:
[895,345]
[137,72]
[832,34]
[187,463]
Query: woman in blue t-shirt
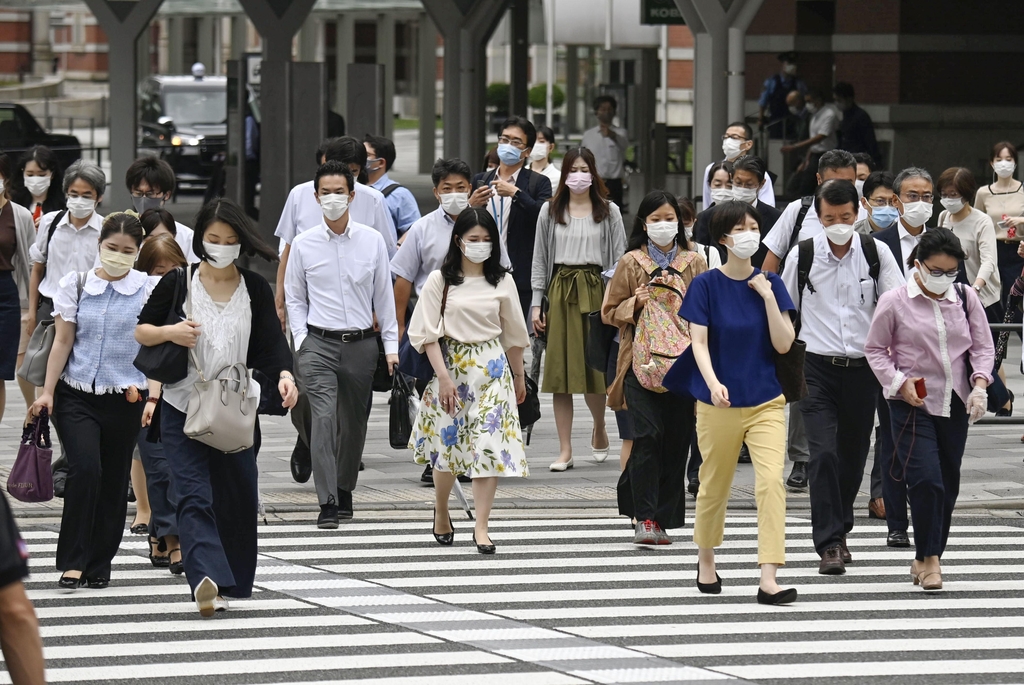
[738,321]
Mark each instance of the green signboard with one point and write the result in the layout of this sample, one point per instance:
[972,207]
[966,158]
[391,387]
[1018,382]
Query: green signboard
[660,12]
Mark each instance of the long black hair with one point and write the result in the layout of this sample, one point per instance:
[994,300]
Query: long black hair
[650,204]
[470,218]
[46,160]
[227,210]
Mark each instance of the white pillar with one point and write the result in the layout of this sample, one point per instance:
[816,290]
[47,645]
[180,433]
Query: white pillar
[344,55]
[175,45]
[549,99]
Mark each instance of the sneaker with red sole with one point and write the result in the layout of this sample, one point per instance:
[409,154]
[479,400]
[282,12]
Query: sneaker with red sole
[663,538]
[646,533]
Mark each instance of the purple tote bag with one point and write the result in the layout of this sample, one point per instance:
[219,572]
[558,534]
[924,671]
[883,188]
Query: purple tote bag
[31,479]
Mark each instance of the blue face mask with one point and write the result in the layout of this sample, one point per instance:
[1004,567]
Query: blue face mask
[509,155]
[884,217]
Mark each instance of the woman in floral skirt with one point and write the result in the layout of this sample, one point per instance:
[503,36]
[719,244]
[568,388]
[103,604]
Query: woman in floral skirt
[470,324]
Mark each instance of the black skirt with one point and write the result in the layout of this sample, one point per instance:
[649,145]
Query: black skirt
[13,553]
[10,325]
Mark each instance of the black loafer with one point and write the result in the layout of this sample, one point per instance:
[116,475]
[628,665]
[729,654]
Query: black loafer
[714,588]
[781,597]
[897,538]
[328,518]
[798,476]
[428,475]
[344,504]
[301,462]
[139,529]
[484,549]
[693,487]
[66,583]
[97,583]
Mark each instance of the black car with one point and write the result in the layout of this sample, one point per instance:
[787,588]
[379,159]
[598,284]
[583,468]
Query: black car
[19,132]
[184,120]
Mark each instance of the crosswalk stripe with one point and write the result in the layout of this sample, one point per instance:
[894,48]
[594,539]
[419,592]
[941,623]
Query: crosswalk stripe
[158,608]
[906,644]
[177,628]
[533,678]
[85,594]
[878,669]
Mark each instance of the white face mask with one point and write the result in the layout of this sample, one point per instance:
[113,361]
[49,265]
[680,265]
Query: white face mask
[1,185]
[839,234]
[81,207]
[748,195]
[917,213]
[789,69]
[37,185]
[1004,168]
[952,204]
[663,232]
[688,230]
[115,263]
[811,107]
[937,285]
[454,203]
[859,185]
[744,244]
[720,195]
[538,152]
[221,256]
[334,206]
[478,253]
[732,148]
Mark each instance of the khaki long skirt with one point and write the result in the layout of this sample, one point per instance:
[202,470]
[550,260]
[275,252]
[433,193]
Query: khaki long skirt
[574,292]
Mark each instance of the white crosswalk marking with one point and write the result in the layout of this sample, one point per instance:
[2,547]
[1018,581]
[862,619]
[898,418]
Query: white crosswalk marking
[564,601]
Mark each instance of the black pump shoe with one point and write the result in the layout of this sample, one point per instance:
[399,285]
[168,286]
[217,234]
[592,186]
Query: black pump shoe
[780,597]
[66,583]
[176,567]
[97,583]
[714,588]
[483,549]
[446,539]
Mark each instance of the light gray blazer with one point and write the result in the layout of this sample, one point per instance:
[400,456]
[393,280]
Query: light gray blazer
[25,233]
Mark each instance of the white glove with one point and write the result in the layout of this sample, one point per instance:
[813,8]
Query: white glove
[977,404]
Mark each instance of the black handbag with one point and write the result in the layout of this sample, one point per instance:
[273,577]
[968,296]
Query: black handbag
[789,369]
[599,342]
[381,375]
[167,362]
[529,410]
[416,364]
[401,412]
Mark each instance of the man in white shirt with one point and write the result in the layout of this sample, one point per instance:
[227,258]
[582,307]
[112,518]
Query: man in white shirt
[608,143]
[151,182]
[822,137]
[737,142]
[835,279]
[338,279]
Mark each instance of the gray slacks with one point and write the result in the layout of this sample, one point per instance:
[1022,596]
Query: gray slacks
[796,443]
[338,380]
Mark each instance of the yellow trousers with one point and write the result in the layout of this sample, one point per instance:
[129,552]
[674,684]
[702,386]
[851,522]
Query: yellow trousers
[720,434]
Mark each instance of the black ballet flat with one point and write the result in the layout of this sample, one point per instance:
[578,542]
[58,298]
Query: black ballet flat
[780,597]
[176,567]
[158,560]
[97,583]
[66,583]
[446,539]
[483,549]
[714,588]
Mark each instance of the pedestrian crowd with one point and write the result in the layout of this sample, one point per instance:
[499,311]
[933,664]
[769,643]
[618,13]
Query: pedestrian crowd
[738,333]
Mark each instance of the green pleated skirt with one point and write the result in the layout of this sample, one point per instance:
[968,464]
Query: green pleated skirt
[574,292]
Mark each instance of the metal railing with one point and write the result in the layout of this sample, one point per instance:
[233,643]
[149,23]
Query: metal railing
[1002,420]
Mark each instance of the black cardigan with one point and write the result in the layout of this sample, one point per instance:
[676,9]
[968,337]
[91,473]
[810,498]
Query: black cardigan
[268,350]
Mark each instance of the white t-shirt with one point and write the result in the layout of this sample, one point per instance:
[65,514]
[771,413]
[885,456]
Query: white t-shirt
[825,122]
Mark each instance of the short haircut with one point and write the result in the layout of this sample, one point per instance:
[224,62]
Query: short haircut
[157,174]
[876,180]
[752,165]
[909,173]
[601,99]
[834,160]
[344,149]
[961,180]
[443,168]
[843,90]
[865,159]
[384,148]
[836,192]
[122,222]
[1004,145]
[157,249]
[88,172]
[936,241]
[748,132]
[727,215]
[151,218]
[334,168]
[525,125]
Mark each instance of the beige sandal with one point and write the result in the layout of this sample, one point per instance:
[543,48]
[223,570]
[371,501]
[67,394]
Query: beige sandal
[915,575]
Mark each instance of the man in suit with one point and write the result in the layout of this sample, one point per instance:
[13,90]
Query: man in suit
[749,175]
[514,195]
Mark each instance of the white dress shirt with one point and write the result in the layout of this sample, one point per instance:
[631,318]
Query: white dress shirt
[766,194]
[501,207]
[908,242]
[183,236]
[779,238]
[609,153]
[72,249]
[302,212]
[337,282]
[836,316]
[824,122]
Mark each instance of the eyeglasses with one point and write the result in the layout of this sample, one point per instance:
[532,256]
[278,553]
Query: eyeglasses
[734,137]
[514,142]
[914,197]
[950,196]
[151,195]
[939,272]
[880,201]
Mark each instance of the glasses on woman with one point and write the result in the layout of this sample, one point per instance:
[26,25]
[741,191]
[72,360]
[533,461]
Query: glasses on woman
[938,273]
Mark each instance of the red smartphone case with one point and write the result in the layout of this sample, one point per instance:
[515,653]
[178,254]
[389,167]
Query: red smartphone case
[922,392]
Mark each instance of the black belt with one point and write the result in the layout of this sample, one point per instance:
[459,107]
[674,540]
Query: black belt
[353,335]
[845,362]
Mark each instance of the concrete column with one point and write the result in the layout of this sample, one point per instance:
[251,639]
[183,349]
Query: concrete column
[572,89]
[143,46]
[426,58]
[175,45]
[519,42]
[239,36]
[738,58]
[162,48]
[311,40]
[206,45]
[386,57]
[345,54]
[127,23]
[42,47]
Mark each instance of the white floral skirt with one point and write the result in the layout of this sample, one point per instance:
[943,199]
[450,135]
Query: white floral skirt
[484,439]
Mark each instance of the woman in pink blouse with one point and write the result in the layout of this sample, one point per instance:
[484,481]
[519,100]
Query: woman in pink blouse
[931,350]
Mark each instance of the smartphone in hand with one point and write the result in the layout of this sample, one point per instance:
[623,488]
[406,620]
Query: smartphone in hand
[919,388]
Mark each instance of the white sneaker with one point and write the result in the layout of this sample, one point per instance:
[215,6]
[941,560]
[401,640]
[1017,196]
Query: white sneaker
[206,597]
[561,465]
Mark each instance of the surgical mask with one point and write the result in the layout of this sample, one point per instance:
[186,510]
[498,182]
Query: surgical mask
[745,244]
[748,195]
[221,256]
[81,207]
[478,253]
[141,204]
[663,232]
[884,217]
[811,107]
[538,152]
[334,206]
[688,230]
[732,148]
[37,185]
[795,111]
[937,285]
[859,185]
[720,195]
[952,204]
[789,69]
[1004,168]
[579,181]
[839,234]
[454,203]
[917,213]
[509,154]
[1,185]
[115,263]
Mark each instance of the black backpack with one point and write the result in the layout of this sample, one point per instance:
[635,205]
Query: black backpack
[805,258]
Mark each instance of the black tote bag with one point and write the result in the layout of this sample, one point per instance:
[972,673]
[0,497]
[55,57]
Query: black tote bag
[167,362]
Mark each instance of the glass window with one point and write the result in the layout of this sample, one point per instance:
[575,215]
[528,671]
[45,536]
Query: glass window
[196,107]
